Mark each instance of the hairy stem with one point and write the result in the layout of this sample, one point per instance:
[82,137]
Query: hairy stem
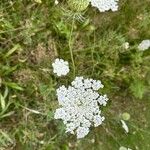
[70,47]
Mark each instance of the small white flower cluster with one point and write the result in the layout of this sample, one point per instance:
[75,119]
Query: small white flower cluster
[144,45]
[60,67]
[126,45]
[56,2]
[124,148]
[105,5]
[80,105]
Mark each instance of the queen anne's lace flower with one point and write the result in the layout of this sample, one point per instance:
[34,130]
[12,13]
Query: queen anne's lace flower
[60,67]
[144,45]
[105,5]
[80,105]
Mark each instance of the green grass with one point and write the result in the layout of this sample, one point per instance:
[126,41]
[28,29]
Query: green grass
[33,34]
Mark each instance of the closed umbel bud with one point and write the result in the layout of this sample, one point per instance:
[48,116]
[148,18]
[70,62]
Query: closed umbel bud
[78,5]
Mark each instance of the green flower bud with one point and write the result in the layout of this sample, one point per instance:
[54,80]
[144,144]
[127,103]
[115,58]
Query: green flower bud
[78,5]
[126,116]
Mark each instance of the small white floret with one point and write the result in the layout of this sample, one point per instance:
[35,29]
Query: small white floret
[98,120]
[82,132]
[60,113]
[124,148]
[105,5]
[60,67]
[103,100]
[126,45]
[56,2]
[144,45]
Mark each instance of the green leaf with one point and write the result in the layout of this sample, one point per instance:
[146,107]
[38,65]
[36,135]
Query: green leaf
[13,86]
[10,52]
[6,136]
[137,88]
[50,115]
[7,114]
[2,99]
[6,92]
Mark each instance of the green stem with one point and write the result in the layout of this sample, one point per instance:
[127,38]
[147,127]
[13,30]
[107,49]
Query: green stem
[70,47]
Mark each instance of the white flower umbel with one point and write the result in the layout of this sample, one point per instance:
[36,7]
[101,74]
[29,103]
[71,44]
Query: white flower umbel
[60,67]
[80,105]
[105,5]
[144,45]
